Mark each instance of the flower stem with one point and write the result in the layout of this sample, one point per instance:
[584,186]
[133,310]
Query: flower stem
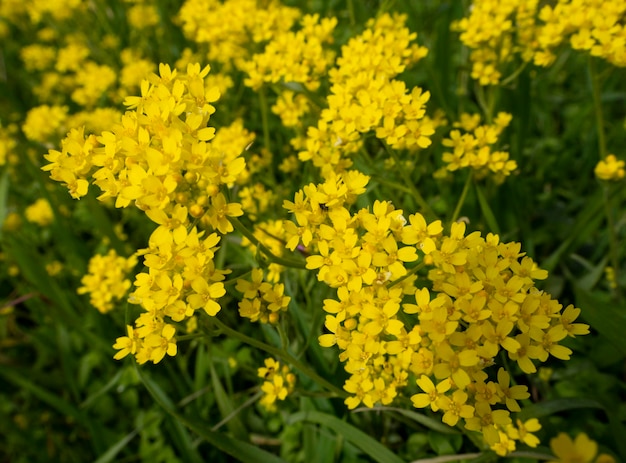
[597,107]
[613,242]
[241,228]
[264,119]
[459,204]
[426,209]
[287,357]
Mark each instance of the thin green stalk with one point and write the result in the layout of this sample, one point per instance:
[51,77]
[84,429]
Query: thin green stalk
[597,107]
[486,98]
[459,204]
[413,271]
[514,75]
[241,228]
[351,13]
[236,411]
[264,119]
[388,183]
[297,364]
[613,242]
[284,341]
[426,209]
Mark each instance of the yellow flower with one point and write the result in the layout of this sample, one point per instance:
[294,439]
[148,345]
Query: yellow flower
[40,213]
[610,168]
[580,450]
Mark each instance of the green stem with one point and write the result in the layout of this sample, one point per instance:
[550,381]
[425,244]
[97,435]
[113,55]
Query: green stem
[388,183]
[482,102]
[241,228]
[284,341]
[413,271]
[613,242]
[264,119]
[426,209]
[297,364]
[459,204]
[597,107]
[351,13]
[513,76]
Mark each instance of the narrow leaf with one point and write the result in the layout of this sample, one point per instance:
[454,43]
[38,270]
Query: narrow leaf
[240,450]
[604,315]
[358,438]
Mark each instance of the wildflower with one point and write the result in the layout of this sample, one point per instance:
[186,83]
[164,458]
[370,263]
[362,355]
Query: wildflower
[44,123]
[40,212]
[610,168]
[278,383]
[106,281]
[580,450]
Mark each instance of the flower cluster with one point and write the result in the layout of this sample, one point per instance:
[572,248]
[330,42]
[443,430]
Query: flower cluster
[364,97]
[261,301]
[496,31]
[159,158]
[106,280]
[45,123]
[181,279]
[387,327]
[474,149]
[278,383]
[594,26]
[231,28]
[40,212]
[294,56]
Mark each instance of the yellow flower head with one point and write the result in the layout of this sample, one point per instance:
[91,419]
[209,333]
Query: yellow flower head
[610,168]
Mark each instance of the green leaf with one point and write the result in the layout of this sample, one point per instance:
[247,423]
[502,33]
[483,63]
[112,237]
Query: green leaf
[445,444]
[88,402]
[227,409]
[54,400]
[422,419]
[240,450]
[604,315]
[550,407]
[358,438]
[116,448]
[587,222]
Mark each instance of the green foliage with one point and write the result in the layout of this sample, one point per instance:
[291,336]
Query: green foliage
[63,397]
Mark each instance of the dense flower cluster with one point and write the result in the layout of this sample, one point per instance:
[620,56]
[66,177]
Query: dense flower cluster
[40,212]
[497,32]
[389,328]
[294,56]
[159,159]
[474,149]
[365,97]
[594,26]
[421,310]
[45,123]
[230,28]
[106,280]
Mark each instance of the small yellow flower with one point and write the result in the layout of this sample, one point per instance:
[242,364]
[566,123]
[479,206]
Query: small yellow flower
[610,168]
[580,450]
